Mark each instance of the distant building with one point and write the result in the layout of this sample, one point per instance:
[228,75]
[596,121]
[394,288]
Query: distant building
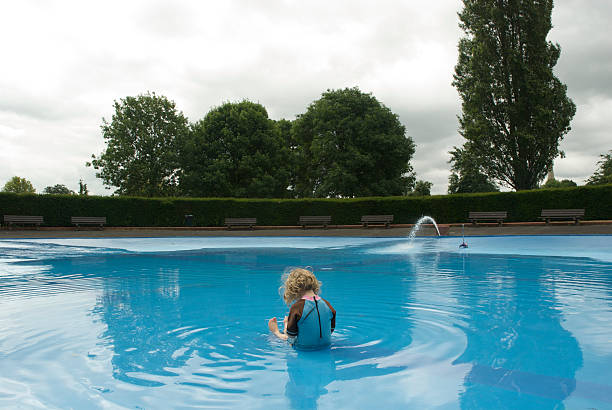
[551,174]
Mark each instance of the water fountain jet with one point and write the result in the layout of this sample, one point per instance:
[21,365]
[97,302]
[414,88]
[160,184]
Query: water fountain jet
[420,222]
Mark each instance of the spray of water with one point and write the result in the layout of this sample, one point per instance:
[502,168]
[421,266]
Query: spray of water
[420,222]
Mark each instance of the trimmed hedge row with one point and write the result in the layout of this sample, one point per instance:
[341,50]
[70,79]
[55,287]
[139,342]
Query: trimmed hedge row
[130,211]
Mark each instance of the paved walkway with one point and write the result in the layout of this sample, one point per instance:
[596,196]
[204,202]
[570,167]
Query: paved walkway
[531,228]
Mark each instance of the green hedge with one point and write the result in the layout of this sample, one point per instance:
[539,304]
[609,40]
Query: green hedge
[129,211]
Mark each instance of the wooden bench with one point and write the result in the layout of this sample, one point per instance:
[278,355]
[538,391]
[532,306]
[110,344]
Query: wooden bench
[497,216]
[250,222]
[88,220]
[376,219]
[315,220]
[11,220]
[570,214]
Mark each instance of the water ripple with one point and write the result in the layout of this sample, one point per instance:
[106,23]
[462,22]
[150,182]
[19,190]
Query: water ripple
[430,328]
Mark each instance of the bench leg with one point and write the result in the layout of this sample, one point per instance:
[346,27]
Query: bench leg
[547,221]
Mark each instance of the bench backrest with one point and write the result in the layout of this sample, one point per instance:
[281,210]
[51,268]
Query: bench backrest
[315,219]
[88,219]
[377,218]
[563,212]
[493,214]
[240,221]
[23,219]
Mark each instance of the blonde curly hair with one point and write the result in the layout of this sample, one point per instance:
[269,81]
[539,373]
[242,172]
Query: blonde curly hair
[296,282]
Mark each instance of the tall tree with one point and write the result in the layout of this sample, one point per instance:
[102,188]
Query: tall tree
[236,151]
[351,145]
[58,189]
[603,174]
[142,140]
[467,174]
[18,185]
[515,111]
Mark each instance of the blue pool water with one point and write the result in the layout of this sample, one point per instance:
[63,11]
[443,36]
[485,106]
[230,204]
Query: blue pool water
[509,323]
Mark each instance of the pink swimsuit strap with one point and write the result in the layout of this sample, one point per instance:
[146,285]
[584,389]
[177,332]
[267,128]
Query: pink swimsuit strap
[311,298]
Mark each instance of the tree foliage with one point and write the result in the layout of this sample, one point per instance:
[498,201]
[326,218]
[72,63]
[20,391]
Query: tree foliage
[236,151]
[554,183]
[18,185]
[468,174]
[514,110]
[351,145]
[58,189]
[142,140]
[603,174]
[422,188]
[287,134]
[83,188]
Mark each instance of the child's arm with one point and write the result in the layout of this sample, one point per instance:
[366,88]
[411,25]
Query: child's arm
[290,323]
[273,326]
[333,319]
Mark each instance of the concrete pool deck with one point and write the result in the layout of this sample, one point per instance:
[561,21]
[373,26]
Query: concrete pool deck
[398,230]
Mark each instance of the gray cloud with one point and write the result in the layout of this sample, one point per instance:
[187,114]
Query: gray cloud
[581,31]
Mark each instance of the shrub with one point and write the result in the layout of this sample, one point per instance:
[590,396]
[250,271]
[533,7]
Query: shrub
[134,211]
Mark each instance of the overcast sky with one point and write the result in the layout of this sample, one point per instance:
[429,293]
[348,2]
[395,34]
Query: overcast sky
[65,62]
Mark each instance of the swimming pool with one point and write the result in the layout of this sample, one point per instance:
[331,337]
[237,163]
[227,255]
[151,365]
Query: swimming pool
[510,322]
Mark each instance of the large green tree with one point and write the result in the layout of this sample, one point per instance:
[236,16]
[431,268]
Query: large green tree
[142,147]
[351,145]
[467,174]
[603,174]
[514,110]
[236,151]
[18,185]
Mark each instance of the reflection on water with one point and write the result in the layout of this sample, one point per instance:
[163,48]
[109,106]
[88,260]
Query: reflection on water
[516,342]
[424,330]
[309,374]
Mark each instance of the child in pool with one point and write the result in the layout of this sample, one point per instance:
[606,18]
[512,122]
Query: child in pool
[311,318]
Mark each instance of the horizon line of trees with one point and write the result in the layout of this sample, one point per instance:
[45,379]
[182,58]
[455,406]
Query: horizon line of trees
[347,144]
[601,176]
[19,185]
